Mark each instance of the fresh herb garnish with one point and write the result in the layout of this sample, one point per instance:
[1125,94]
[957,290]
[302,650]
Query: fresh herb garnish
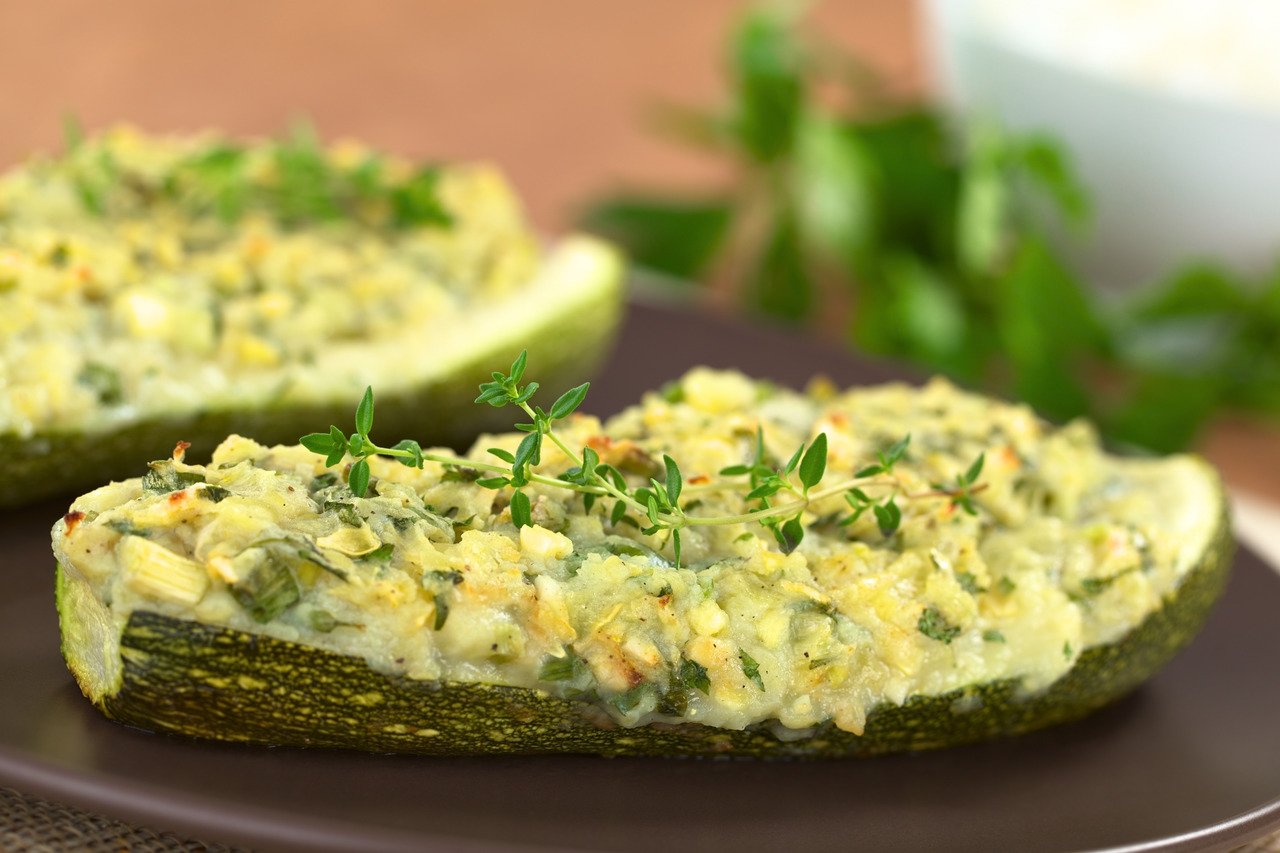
[654,506]
[991,635]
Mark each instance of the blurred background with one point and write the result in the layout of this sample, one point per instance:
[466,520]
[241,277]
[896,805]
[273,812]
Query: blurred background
[1073,203]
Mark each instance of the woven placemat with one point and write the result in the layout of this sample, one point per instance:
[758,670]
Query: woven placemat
[29,824]
[32,825]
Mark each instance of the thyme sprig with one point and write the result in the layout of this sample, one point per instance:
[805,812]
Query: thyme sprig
[655,506]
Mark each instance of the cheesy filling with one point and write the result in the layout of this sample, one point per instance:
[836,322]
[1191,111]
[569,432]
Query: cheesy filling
[427,577]
[144,276]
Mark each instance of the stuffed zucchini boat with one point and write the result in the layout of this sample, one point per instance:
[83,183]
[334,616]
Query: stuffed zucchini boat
[973,572]
[153,286]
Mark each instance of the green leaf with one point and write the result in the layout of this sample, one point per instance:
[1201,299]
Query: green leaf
[590,459]
[764,490]
[163,478]
[1194,291]
[694,676]
[675,236]
[619,510]
[888,517]
[896,452]
[441,601]
[103,381]
[974,471]
[794,460]
[981,230]
[320,442]
[991,635]
[568,402]
[529,452]
[517,367]
[364,413]
[505,455]
[790,534]
[1164,411]
[413,447]
[1045,161]
[767,67]
[780,285]
[526,394]
[128,528]
[750,669]
[675,545]
[416,202]
[675,483]
[494,394]
[493,482]
[567,668]
[1047,323]
[521,511]
[381,554]
[936,627]
[214,494]
[358,478]
[832,187]
[814,464]
[911,309]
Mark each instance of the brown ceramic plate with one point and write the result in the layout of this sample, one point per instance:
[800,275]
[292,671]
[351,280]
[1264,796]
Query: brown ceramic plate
[1191,761]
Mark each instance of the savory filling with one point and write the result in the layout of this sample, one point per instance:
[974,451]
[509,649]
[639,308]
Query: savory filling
[143,275]
[426,576]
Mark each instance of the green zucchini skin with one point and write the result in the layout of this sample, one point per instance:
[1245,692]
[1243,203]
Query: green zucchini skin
[567,349]
[197,680]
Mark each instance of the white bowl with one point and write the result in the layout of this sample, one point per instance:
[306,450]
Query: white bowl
[1173,175]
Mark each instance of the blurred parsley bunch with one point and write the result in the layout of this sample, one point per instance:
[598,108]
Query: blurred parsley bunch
[941,247]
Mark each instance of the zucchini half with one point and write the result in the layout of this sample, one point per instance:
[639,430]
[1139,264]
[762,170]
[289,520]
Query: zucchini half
[186,678]
[566,318]
[151,663]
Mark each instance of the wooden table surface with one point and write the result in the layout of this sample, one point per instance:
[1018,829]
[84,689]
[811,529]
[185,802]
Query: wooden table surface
[560,93]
